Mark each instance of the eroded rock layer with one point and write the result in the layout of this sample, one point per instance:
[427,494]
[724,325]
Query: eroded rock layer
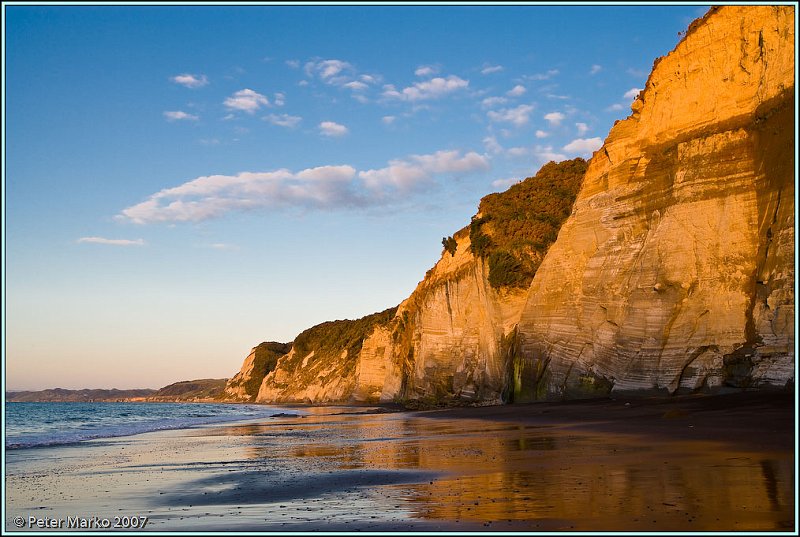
[676,268]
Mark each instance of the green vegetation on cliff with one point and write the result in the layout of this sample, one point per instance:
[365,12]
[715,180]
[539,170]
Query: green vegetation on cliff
[333,337]
[516,227]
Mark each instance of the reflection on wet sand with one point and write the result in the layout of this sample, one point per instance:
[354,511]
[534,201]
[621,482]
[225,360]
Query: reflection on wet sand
[530,477]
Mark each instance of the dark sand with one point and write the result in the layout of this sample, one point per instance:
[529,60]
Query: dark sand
[722,463]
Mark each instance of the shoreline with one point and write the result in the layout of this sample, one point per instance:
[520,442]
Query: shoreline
[710,463]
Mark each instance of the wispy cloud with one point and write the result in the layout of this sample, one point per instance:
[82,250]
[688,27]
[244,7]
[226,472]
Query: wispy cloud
[489,69]
[583,128]
[324,187]
[491,102]
[518,116]
[542,134]
[428,89]
[246,100]
[341,74]
[542,76]
[595,69]
[426,70]
[190,81]
[405,174]
[112,242]
[178,115]
[283,120]
[516,91]
[546,153]
[583,146]
[222,246]
[616,107]
[388,120]
[294,64]
[492,145]
[332,129]
[504,183]
[554,118]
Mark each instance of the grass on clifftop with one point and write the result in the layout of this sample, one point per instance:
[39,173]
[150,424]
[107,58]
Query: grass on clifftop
[332,337]
[516,227]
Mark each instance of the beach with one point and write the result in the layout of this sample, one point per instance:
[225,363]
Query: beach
[692,463]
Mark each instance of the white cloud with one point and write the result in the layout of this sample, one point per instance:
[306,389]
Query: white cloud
[489,69]
[584,146]
[112,242]
[542,134]
[222,246]
[388,120]
[492,146]
[425,70]
[542,76]
[615,107]
[341,74]
[554,118]
[356,85]
[583,128]
[504,183]
[246,100]
[331,128]
[405,174]
[283,120]
[294,64]
[323,187]
[546,154]
[518,151]
[190,81]
[429,89]
[491,102]
[280,99]
[327,70]
[518,116]
[178,115]
[631,93]
[516,91]
[595,69]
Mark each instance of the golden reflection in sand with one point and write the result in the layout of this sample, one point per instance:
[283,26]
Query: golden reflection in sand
[500,472]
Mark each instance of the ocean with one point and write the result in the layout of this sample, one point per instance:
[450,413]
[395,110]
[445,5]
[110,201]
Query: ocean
[50,424]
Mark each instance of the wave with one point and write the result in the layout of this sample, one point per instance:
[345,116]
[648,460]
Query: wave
[35,427]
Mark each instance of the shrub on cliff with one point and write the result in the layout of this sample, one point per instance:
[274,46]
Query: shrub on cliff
[332,337]
[516,227]
[450,245]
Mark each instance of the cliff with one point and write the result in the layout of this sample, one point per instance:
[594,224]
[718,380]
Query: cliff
[666,265]
[676,268]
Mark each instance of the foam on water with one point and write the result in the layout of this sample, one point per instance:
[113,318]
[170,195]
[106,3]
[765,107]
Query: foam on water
[50,424]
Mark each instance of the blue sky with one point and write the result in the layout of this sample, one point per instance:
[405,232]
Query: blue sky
[183,183]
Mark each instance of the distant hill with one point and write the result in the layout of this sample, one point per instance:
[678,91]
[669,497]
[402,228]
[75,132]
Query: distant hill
[60,395]
[205,390]
[191,390]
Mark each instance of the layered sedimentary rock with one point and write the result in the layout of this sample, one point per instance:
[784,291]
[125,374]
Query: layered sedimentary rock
[677,265]
[261,361]
[673,270]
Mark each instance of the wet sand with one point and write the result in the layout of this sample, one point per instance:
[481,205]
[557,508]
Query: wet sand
[723,463]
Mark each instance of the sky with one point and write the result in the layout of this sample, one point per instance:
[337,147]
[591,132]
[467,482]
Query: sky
[185,182]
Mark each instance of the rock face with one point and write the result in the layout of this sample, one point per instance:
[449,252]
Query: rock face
[672,270]
[261,361]
[677,265]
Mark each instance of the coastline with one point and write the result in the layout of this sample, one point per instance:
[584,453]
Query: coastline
[707,463]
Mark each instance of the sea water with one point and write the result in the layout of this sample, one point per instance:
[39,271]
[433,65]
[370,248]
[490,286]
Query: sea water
[48,424]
